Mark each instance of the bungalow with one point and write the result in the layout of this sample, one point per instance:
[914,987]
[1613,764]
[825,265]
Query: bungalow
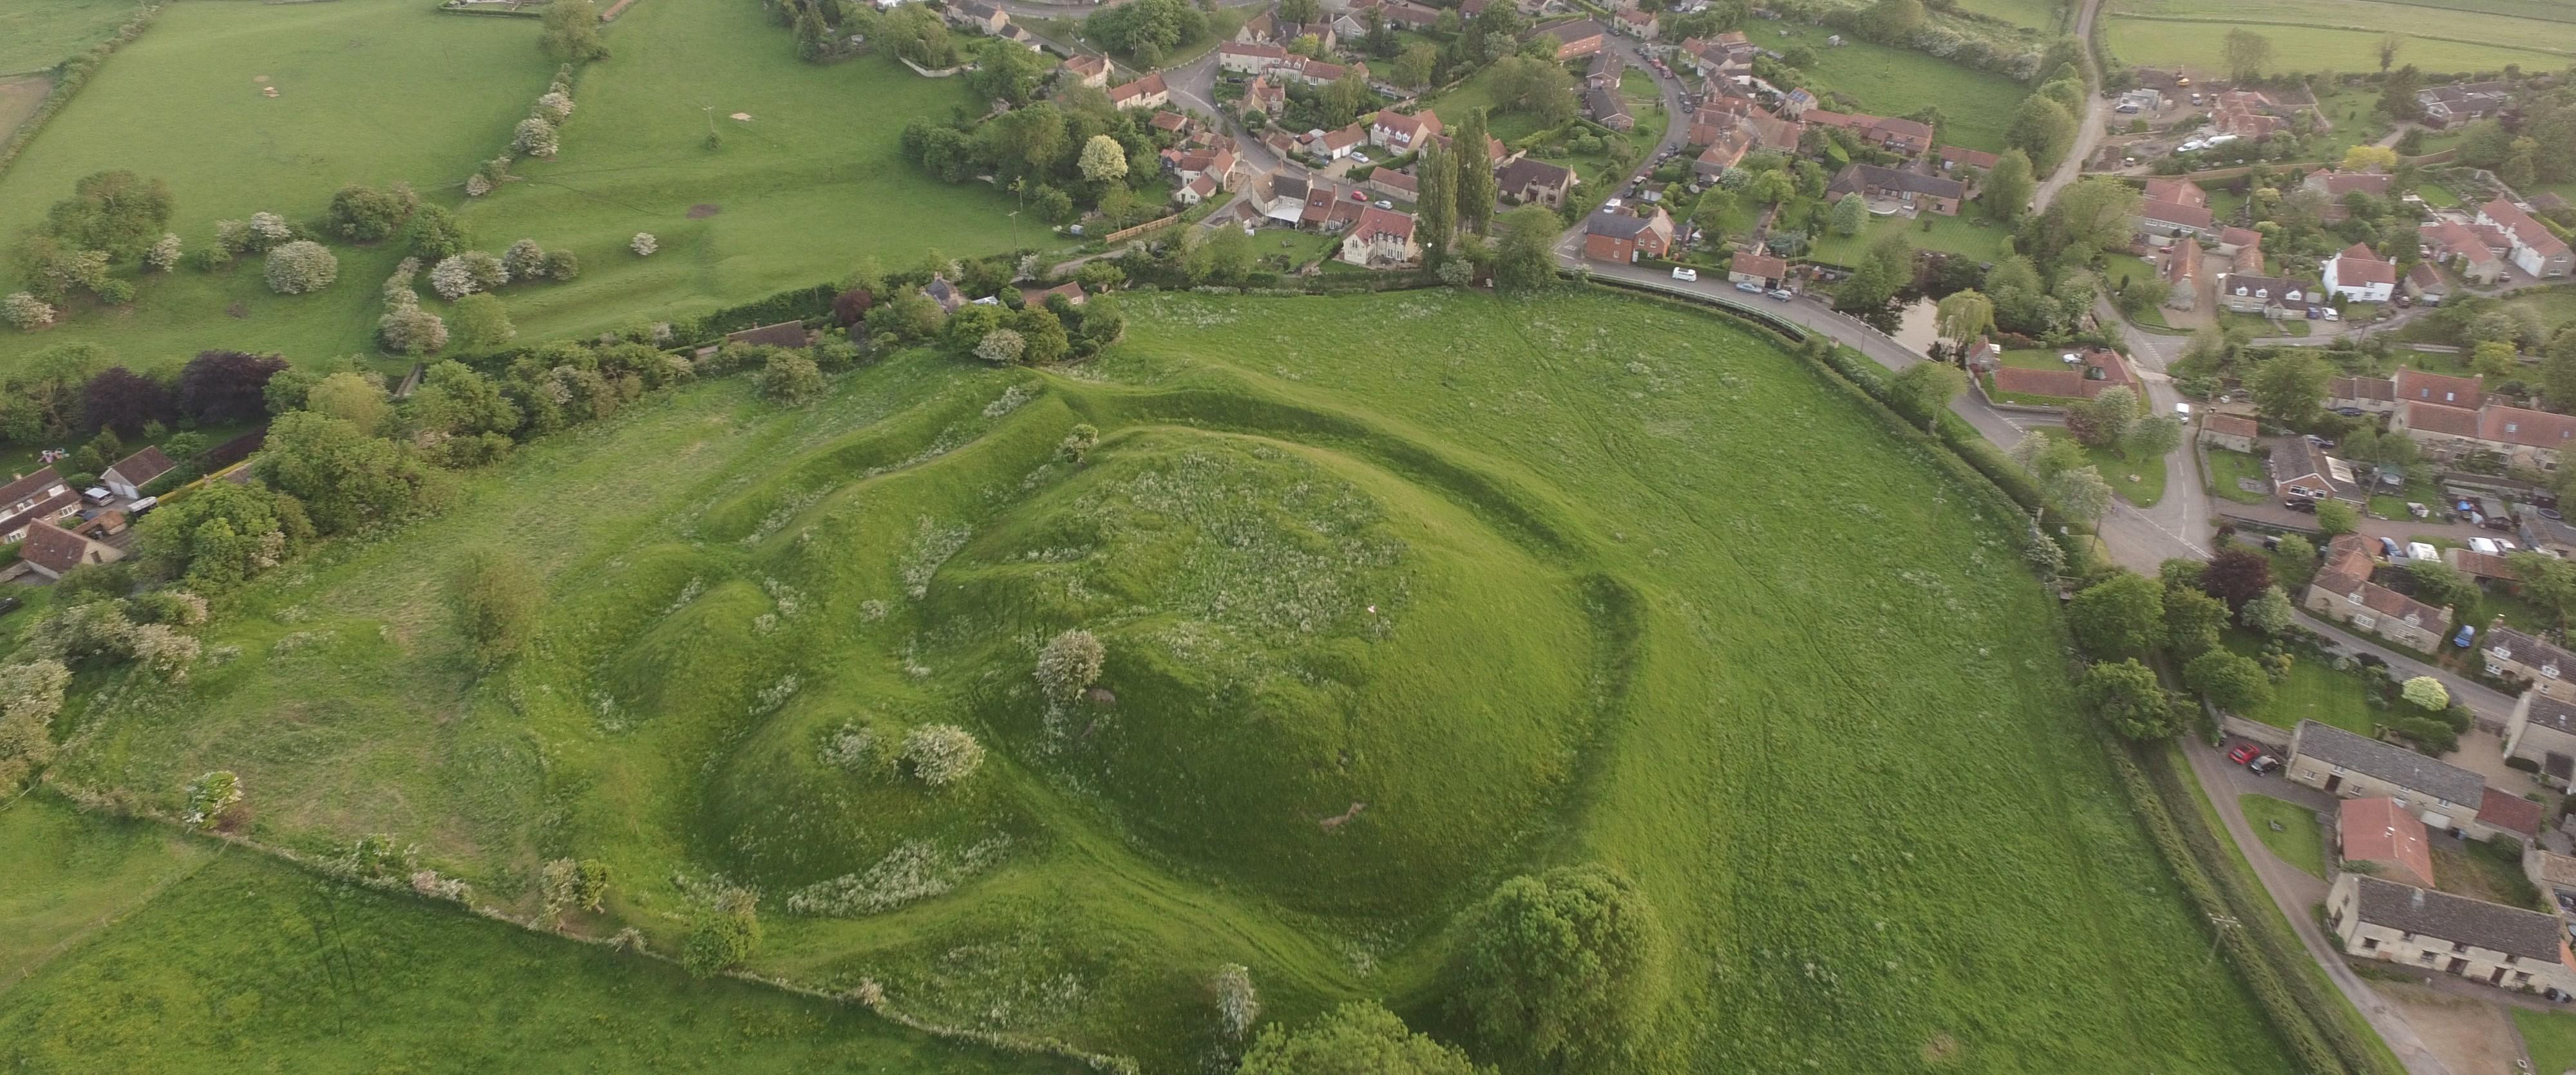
[53,551]
[1605,71]
[1914,191]
[2461,102]
[1037,296]
[2513,655]
[1535,182]
[2278,298]
[2535,250]
[2384,839]
[2177,191]
[2301,469]
[1335,145]
[2377,395]
[2096,370]
[129,475]
[2467,249]
[2424,284]
[2234,432]
[1608,109]
[1088,70]
[2182,274]
[1904,137]
[2445,796]
[2422,929]
[2360,275]
[977,15]
[2342,591]
[1610,235]
[2542,731]
[1637,23]
[2163,218]
[1146,92]
[1383,238]
[1749,267]
[1953,158]
[1574,37]
[1402,133]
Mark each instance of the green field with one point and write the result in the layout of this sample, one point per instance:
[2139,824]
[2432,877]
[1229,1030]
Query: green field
[247,958]
[1976,106]
[1473,599]
[371,91]
[1969,234]
[38,34]
[2037,14]
[2343,35]
[2555,305]
[70,875]
[2298,840]
[811,184]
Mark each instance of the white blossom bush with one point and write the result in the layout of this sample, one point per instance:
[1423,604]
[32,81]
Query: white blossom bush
[301,267]
[525,260]
[31,695]
[1237,1004]
[914,871]
[24,310]
[644,244]
[164,255]
[268,231]
[942,754]
[459,275]
[534,137]
[476,186]
[1070,663]
[163,651]
[209,796]
[1001,346]
[851,746]
[406,329]
[554,107]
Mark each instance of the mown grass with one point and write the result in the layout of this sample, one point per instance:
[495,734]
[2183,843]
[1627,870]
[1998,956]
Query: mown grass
[1467,568]
[1976,106]
[2312,691]
[2334,35]
[38,34]
[1969,234]
[370,91]
[70,874]
[2138,481]
[813,182]
[2550,1037]
[2289,830]
[265,964]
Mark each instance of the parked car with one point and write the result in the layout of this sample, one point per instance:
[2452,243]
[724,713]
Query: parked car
[1748,287]
[2417,550]
[2244,752]
[1781,293]
[1385,204]
[1363,158]
[2265,765]
[2300,504]
[2348,412]
[2468,635]
[2182,411]
[2388,548]
[2486,546]
[1685,274]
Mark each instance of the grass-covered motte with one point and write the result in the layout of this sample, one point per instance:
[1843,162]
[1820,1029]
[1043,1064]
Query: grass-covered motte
[1400,596]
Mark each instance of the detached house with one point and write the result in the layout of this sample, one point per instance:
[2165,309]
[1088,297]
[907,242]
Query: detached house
[2445,796]
[978,16]
[129,475]
[2425,930]
[1749,267]
[1913,191]
[2511,654]
[2535,249]
[1574,37]
[1146,92]
[1525,181]
[2278,298]
[1402,133]
[1608,109]
[2360,275]
[2301,469]
[53,551]
[2342,591]
[1610,235]
[1088,70]
[37,497]
[2461,102]
[1382,238]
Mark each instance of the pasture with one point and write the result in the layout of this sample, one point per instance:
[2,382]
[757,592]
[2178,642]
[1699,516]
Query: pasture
[811,183]
[370,91]
[251,959]
[36,35]
[2343,35]
[1976,106]
[1458,581]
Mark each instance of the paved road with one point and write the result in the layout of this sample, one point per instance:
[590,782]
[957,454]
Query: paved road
[2097,115]
[2294,891]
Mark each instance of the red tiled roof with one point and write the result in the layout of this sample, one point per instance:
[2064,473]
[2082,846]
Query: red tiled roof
[2511,217]
[2380,831]
[1375,221]
[1762,265]
[2232,425]
[2513,813]
[2177,191]
[2239,237]
[53,548]
[2529,428]
[2342,183]
[2176,213]
[2417,385]
[1977,159]
[2435,418]
[2359,265]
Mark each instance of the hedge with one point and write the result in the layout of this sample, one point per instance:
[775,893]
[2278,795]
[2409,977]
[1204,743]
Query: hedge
[74,74]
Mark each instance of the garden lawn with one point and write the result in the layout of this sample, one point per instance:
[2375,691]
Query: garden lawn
[370,91]
[798,194]
[2140,482]
[2338,35]
[2313,691]
[38,34]
[2289,830]
[1976,106]
[2550,1036]
[1969,234]
[2263,327]
[2226,466]
[2555,305]
[288,972]
[1462,567]
[1478,92]
[2437,195]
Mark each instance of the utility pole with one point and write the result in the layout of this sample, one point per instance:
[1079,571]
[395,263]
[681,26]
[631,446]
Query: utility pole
[2220,924]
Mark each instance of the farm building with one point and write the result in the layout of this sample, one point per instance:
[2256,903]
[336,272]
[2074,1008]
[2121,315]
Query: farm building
[2445,796]
[2234,432]
[2422,929]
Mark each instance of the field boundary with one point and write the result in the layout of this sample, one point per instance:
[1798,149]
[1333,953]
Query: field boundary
[2195,19]
[74,74]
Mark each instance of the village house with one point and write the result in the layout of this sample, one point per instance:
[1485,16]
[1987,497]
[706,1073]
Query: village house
[2416,386]
[976,15]
[1954,158]
[2475,251]
[1254,59]
[2424,284]
[2425,930]
[1611,235]
[1535,182]
[2525,437]
[2163,219]
[1402,133]
[2250,114]
[1605,71]
[1261,29]
[2335,183]
[2359,275]
[1637,23]
[1753,267]
[2182,274]
[2274,297]
[2233,240]
[2177,191]
[1903,137]
[2234,432]
[1319,73]
[2342,591]
[1725,52]
[2513,655]
[2535,250]
[1913,192]
[2445,796]
[1383,238]
[2384,839]
[32,498]
[1574,37]
[2096,370]
[53,552]
[2542,731]
[2301,469]
[1071,292]
[128,476]
[1146,92]
[1608,109]
[2374,395]
[1088,70]
[2461,102]
[1264,96]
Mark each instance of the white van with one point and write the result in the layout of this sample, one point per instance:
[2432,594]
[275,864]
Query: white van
[2479,544]
[2417,550]
[2182,411]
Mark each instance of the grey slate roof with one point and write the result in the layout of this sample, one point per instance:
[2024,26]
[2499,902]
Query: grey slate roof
[2389,762]
[2526,650]
[2510,930]
[2549,712]
[1615,225]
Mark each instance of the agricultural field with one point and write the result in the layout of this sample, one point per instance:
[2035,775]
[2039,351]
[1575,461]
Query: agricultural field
[1379,633]
[370,91]
[71,875]
[2344,35]
[2044,15]
[813,181]
[1976,106]
[36,35]
[238,955]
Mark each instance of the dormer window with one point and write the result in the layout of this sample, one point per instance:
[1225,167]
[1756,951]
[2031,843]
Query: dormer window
[2549,670]
[2353,597]
[2510,427]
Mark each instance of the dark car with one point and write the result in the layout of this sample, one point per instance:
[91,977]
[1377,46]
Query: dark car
[2348,412]
[2299,504]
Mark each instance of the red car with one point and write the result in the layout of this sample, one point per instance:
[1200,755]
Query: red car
[2244,752]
